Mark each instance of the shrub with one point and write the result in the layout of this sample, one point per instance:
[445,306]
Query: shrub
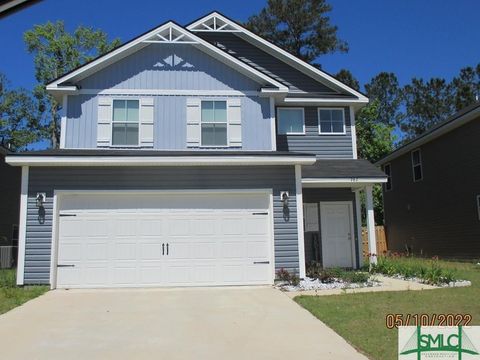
[291,279]
[428,270]
[330,275]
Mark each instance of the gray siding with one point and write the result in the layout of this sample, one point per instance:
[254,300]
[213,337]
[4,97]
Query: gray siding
[324,146]
[179,67]
[311,195]
[169,122]
[10,179]
[438,215]
[39,235]
[268,64]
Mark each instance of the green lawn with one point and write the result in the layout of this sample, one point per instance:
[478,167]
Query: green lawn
[12,296]
[360,318]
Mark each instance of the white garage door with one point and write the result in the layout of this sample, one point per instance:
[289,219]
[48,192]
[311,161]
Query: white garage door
[188,239]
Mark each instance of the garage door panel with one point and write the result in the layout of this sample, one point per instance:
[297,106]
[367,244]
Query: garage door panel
[122,247]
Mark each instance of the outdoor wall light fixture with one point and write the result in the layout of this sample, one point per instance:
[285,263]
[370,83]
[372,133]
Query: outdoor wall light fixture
[40,199]
[284,196]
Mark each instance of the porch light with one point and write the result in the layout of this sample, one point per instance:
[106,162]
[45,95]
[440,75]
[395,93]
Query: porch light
[40,199]
[284,196]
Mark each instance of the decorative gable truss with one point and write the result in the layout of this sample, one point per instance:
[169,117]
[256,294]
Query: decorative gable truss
[168,33]
[216,22]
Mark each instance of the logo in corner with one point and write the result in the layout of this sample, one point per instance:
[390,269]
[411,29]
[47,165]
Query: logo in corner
[438,342]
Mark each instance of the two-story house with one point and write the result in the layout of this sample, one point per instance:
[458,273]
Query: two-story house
[432,197]
[197,155]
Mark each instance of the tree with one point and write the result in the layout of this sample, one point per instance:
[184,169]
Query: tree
[466,87]
[385,88]
[56,52]
[18,116]
[346,77]
[374,138]
[426,103]
[301,27]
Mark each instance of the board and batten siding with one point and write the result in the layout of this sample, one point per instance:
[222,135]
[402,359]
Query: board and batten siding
[324,146]
[173,67]
[170,123]
[46,179]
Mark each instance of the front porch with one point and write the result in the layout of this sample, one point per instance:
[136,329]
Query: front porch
[332,216]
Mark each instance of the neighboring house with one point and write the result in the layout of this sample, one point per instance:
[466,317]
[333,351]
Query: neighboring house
[10,201]
[187,155]
[432,197]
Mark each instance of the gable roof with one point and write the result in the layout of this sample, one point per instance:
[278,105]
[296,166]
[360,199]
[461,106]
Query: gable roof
[456,120]
[216,22]
[169,32]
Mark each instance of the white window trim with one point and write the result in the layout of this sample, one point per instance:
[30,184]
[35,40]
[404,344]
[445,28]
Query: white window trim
[344,132]
[291,108]
[138,145]
[201,122]
[477,198]
[420,164]
[388,176]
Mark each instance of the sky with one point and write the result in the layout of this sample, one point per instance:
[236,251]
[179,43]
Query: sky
[412,38]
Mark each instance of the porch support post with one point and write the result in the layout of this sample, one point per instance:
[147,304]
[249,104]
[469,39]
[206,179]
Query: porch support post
[301,240]
[372,241]
[22,226]
[358,214]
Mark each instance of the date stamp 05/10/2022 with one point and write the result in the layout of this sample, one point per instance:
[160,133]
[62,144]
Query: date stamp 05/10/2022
[393,321]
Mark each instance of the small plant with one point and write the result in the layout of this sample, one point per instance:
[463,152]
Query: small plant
[331,275]
[284,275]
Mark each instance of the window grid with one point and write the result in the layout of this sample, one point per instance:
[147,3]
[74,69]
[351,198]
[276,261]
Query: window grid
[125,122]
[214,123]
[331,121]
[417,169]
[387,169]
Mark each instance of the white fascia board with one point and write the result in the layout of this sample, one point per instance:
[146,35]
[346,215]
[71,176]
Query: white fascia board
[357,103]
[140,42]
[156,161]
[286,56]
[473,114]
[341,182]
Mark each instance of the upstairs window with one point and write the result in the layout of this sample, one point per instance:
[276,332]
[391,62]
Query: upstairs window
[214,123]
[417,165]
[291,121]
[125,123]
[331,121]
[387,169]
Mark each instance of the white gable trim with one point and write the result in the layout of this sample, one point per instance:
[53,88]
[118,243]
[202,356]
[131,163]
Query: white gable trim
[166,33]
[276,51]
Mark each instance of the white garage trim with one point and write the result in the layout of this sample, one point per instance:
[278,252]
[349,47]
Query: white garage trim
[59,194]
[22,229]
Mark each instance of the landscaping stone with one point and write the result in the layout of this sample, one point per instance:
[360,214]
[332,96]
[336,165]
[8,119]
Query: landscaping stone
[315,284]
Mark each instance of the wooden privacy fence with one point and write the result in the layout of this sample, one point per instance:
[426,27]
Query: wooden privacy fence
[381,240]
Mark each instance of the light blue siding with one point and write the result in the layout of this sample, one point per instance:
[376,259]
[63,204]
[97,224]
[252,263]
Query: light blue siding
[179,67]
[169,122]
[45,179]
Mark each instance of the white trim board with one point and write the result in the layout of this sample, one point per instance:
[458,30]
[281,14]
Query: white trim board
[280,53]
[301,239]
[138,43]
[22,226]
[100,160]
[340,182]
[58,194]
[167,92]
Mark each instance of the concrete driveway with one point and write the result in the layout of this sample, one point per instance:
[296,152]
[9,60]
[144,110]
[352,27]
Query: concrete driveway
[207,323]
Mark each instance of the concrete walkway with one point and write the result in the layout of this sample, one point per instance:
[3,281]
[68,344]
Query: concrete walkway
[388,284]
[209,323]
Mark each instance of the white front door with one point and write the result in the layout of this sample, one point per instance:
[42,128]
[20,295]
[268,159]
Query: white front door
[125,240]
[337,234]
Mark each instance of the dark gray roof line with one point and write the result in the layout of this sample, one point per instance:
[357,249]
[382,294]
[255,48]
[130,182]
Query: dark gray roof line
[342,168]
[467,114]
